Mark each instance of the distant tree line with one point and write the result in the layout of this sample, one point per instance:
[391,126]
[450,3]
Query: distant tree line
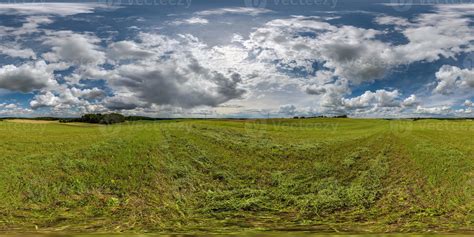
[141,118]
[35,118]
[321,116]
[97,118]
[110,118]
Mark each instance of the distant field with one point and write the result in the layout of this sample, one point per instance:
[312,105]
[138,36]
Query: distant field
[29,121]
[216,175]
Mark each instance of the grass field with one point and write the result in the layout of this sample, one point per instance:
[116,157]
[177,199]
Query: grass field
[218,176]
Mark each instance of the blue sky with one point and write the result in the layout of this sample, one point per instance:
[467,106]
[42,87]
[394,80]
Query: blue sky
[237,58]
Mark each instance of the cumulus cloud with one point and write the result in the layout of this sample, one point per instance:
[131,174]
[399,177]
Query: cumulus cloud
[379,98]
[47,99]
[392,20]
[279,59]
[468,103]
[47,8]
[288,110]
[91,94]
[351,53]
[191,21]
[411,101]
[15,51]
[10,109]
[27,77]
[171,83]
[62,99]
[124,102]
[437,110]
[10,106]
[74,48]
[81,52]
[449,25]
[356,54]
[152,75]
[452,79]
[316,90]
[379,103]
[318,83]
[127,50]
[234,10]
[332,94]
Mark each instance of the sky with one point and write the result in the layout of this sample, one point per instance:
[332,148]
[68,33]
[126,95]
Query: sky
[237,58]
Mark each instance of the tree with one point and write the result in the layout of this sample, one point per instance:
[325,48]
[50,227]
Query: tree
[112,118]
[103,118]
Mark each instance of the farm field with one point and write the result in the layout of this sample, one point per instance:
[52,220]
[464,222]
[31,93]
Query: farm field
[199,176]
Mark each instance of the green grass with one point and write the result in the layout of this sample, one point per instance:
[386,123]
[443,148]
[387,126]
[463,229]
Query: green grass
[223,176]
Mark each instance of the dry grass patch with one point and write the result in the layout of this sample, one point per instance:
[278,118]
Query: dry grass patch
[31,121]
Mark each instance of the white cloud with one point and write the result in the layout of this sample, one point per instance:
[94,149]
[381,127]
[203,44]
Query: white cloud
[468,112]
[13,110]
[10,106]
[127,50]
[351,53]
[47,8]
[15,51]
[411,101]
[27,77]
[392,20]
[154,71]
[92,94]
[47,99]
[11,42]
[30,25]
[234,10]
[80,51]
[379,98]
[355,53]
[331,94]
[191,21]
[437,110]
[62,99]
[468,103]
[452,79]
[184,84]
[449,25]
[124,101]
[74,48]
[288,110]
[188,77]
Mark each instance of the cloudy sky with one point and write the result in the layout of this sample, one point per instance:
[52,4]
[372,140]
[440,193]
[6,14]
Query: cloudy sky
[237,58]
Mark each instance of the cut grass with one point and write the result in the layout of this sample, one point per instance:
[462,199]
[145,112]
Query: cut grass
[219,176]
